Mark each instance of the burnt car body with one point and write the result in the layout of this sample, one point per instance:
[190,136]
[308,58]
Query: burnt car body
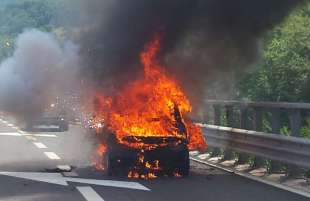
[171,152]
[48,123]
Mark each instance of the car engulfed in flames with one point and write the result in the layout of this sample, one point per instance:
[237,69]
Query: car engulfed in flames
[145,132]
[148,157]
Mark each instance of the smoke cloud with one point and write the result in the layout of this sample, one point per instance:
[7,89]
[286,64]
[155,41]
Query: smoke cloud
[204,41]
[39,70]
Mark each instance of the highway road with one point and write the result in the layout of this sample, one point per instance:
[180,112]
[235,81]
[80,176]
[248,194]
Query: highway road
[27,161]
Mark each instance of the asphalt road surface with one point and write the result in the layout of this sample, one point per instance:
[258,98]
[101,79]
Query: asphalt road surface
[27,161]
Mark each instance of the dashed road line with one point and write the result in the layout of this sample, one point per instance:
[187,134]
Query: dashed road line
[52,155]
[43,135]
[89,193]
[11,134]
[110,183]
[29,137]
[40,145]
[32,137]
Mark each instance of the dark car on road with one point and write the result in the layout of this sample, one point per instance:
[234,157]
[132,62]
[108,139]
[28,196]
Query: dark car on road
[48,123]
[171,151]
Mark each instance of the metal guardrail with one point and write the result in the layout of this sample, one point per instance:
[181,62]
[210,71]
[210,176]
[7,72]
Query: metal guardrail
[291,150]
[256,112]
[281,105]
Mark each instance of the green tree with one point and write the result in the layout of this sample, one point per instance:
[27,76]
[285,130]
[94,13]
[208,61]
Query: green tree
[284,72]
[18,15]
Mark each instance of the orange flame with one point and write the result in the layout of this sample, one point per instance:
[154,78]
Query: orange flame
[151,168]
[98,161]
[145,107]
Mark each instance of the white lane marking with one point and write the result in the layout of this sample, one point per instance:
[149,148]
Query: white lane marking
[52,155]
[89,193]
[52,178]
[20,131]
[11,125]
[31,138]
[11,134]
[42,135]
[5,122]
[40,145]
[19,134]
[16,127]
[119,184]
[57,178]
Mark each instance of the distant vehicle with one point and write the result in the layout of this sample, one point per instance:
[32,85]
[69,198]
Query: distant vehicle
[48,123]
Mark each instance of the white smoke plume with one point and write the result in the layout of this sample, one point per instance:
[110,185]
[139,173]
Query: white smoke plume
[39,69]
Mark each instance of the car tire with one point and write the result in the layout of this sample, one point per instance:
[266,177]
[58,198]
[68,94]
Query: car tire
[183,163]
[63,127]
[108,164]
[66,127]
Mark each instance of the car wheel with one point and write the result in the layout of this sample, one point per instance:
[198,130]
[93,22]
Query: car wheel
[66,127]
[107,162]
[184,163]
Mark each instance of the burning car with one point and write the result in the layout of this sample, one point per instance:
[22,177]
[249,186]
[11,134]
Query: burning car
[145,132]
[151,156]
[170,159]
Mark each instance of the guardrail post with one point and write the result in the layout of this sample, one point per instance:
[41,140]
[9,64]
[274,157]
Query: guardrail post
[258,126]
[243,158]
[258,119]
[217,121]
[229,115]
[206,116]
[275,121]
[243,117]
[295,121]
[217,115]
[295,124]
[229,112]
[296,113]
[275,128]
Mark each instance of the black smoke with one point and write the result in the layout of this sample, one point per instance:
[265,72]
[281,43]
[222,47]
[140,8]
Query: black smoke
[204,41]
